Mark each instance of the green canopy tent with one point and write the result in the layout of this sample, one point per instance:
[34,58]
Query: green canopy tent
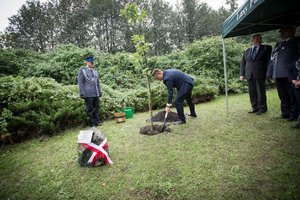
[258,16]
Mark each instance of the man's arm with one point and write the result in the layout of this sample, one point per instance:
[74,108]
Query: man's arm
[81,80]
[269,51]
[242,67]
[99,86]
[273,61]
[169,85]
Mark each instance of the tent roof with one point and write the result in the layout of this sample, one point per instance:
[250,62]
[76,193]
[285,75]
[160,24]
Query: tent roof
[261,15]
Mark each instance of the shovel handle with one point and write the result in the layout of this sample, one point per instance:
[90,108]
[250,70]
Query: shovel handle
[164,125]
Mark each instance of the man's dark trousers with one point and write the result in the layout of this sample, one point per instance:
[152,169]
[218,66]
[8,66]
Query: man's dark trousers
[297,95]
[257,93]
[92,109]
[289,106]
[185,93]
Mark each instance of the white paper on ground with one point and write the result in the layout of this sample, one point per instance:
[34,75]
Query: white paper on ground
[85,136]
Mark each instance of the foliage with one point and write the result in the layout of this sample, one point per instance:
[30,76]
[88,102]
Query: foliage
[203,57]
[39,106]
[61,64]
[32,26]
[5,115]
[43,26]
[133,14]
[13,61]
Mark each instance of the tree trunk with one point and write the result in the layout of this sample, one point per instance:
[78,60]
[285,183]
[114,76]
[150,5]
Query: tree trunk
[150,101]
[149,94]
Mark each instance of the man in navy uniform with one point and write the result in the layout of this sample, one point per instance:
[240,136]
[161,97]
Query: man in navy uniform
[90,90]
[184,84]
[254,67]
[284,54]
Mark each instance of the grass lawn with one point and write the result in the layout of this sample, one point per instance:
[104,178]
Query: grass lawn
[218,155]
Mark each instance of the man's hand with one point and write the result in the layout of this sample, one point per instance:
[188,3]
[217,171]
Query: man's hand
[296,82]
[242,78]
[167,109]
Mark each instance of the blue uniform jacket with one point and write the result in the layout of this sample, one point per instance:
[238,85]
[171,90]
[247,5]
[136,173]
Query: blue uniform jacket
[173,78]
[88,83]
[285,53]
[294,71]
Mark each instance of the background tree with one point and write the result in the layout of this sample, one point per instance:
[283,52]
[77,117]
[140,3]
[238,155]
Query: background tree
[105,24]
[72,22]
[97,23]
[189,11]
[30,27]
[232,4]
[160,14]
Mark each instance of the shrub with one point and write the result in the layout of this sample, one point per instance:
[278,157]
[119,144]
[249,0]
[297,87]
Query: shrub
[13,61]
[39,106]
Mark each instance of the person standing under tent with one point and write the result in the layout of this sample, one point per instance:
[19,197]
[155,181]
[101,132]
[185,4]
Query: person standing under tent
[253,68]
[285,53]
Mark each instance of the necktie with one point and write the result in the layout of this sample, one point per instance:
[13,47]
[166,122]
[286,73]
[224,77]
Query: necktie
[254,52]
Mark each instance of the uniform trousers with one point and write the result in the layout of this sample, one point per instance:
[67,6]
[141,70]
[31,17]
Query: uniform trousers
[92,109]
[288,103]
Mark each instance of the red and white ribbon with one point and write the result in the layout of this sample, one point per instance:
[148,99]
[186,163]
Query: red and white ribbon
[97,152]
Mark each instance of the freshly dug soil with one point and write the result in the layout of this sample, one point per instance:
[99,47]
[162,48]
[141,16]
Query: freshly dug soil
[146,130]
[160,116]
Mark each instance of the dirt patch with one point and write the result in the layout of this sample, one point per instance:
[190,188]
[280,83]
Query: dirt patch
[146,130]
[203,99]
[160,116]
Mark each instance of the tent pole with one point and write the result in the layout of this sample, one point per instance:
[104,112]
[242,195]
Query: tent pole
[225,72]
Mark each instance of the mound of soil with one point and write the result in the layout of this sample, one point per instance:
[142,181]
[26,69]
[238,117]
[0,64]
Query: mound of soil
[146,130]
[203,99]
[160,116]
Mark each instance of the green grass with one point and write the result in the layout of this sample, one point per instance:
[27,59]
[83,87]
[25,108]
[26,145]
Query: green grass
[218,155]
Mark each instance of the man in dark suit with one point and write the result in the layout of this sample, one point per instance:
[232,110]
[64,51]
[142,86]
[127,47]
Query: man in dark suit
[90,90]
[254,67]
[285,53]
[184,84]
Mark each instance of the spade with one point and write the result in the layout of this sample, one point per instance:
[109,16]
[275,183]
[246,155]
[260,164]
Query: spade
[165,120]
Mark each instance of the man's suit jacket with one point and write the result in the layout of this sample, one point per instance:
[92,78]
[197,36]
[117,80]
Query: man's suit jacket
[175,79]
[88,83]
[285,53]
[256,68]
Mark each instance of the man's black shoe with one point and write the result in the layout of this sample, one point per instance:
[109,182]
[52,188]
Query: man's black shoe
[284,117]
[253,111]
[192,115]
[179,122]
[97,124]
[291,119]
[296,126]
[260,112]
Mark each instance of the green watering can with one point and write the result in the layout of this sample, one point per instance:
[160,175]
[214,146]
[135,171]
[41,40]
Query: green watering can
[128,112]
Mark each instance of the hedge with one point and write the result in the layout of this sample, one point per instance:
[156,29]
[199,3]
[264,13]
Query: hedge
[37,106]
